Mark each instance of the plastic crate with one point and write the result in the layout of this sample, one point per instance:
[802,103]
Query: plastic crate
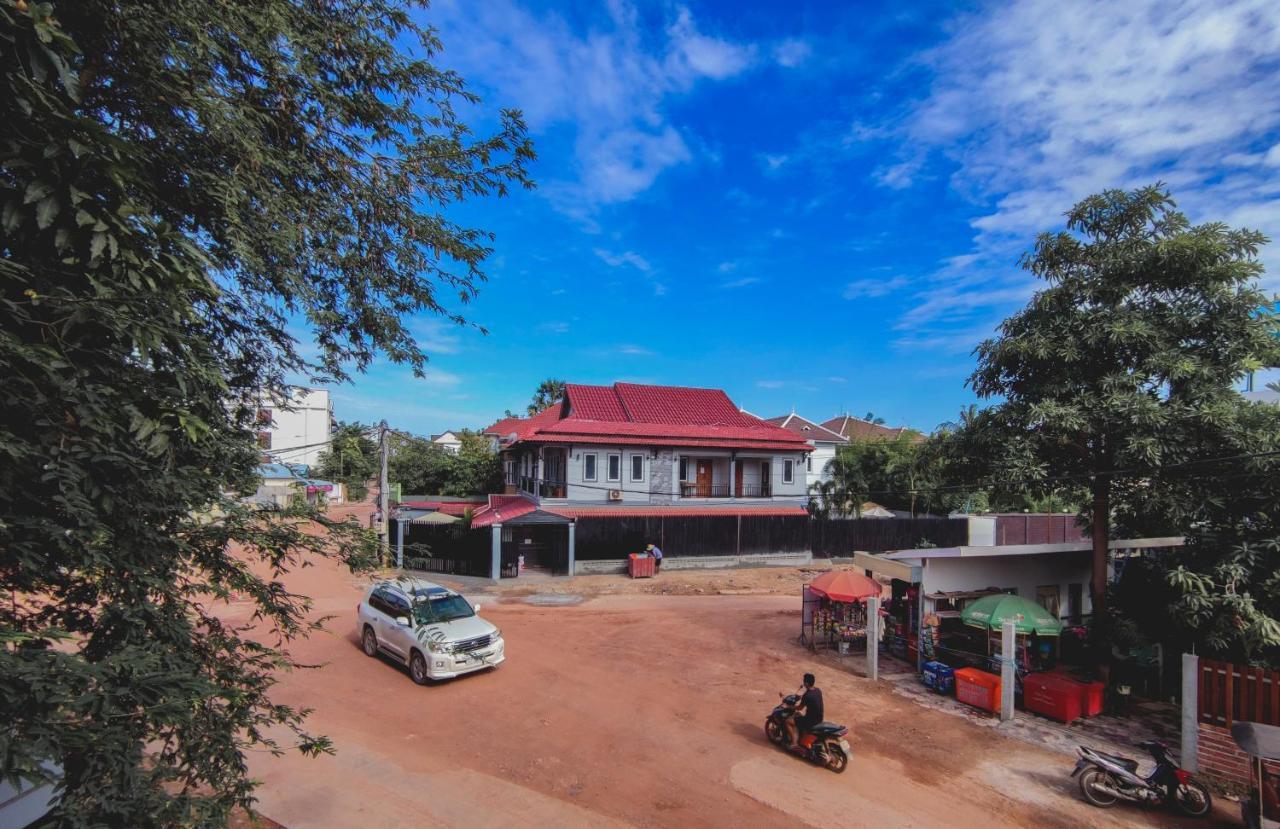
[641,567]
[978,688]
[1051,695]
[938,677]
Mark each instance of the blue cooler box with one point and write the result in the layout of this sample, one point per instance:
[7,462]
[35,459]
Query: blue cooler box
[938,677]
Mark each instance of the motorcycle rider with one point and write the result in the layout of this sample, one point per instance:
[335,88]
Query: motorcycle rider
[811,704]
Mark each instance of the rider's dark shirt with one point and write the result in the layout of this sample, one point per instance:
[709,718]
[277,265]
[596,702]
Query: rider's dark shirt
[812,702]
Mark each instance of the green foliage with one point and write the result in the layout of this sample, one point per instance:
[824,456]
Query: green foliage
[352,461]
[177,182]
[1126,359]
[899,473]
[548,393]
[420,466]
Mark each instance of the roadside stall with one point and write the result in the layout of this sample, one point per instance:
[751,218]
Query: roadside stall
[834,610]
[1261,809]
[1037,629]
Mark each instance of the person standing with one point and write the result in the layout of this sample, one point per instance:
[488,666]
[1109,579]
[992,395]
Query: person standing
[653,550]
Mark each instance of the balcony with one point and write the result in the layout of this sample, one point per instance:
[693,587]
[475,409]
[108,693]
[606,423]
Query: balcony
[544,488]
[696,490]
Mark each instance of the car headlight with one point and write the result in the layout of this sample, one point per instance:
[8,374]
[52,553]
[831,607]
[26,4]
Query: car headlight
[438,647]
[497,633]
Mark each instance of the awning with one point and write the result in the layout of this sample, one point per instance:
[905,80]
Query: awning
[434,518]
[900,570]
[844,586]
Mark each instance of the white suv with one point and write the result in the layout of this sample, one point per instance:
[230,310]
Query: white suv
[430,628]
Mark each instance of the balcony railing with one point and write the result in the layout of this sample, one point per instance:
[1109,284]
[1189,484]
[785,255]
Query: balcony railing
[544,488]
[696,490]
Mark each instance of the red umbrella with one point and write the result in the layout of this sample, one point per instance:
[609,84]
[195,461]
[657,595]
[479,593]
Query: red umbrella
[843,586]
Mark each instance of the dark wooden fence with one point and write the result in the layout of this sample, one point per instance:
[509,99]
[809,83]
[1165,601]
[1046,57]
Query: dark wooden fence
[611,538]
[1231,693]
[447,549]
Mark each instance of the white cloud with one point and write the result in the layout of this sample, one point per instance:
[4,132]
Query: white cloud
[792,52]
[554,327]
[772,162]
[633,350]
[835,379]
[610,79]
[659,289]
[771,384]
[726,267]
[1036,104]
[874,287]
[628,257]
[741,283]
[693,53]
[435,335]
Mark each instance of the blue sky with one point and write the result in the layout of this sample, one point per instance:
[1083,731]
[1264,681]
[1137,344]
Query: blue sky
[817,205]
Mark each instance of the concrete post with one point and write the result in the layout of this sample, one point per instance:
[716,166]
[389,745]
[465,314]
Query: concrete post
[1190,754]
[495,563]
[399,543]
[1008,664]
[873,637]
[572,557]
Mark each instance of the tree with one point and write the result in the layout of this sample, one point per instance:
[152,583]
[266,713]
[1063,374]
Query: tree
[548,393]
[353,460]
[419,465]
[871,417]
[477,468]
[1127,358]
[179,183]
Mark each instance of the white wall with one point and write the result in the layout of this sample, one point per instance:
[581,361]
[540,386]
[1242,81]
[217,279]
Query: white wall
[449,442]
[308,422]
[580,489]
[1023,572]
[823,453]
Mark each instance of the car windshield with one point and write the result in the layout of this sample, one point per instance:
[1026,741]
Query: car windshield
[441,608]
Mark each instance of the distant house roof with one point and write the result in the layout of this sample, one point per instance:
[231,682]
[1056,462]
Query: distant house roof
[455,508]
[660,415]
[276,470]
[855,428]
[807,428]
[447,433]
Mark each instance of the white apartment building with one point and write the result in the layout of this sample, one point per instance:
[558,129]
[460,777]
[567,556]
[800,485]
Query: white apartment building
[296,430]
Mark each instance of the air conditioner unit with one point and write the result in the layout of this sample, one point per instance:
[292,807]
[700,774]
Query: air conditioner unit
[615,495]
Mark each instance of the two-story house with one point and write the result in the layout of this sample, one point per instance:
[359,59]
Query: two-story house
[631,450]
[658,445]
[823,440]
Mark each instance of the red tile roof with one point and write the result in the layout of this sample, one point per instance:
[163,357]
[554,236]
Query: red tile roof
[660,415]
[503,427]
[855,428]
[502,508]
[457,508]
[807,428]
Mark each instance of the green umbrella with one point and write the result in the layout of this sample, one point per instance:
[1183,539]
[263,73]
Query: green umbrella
[990,612]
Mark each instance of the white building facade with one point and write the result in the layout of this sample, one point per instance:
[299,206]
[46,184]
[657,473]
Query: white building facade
[297,430]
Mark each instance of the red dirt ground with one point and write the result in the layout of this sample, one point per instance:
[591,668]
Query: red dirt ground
[637,710]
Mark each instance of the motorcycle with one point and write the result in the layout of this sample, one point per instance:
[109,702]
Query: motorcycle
[1106,778]
[824,744]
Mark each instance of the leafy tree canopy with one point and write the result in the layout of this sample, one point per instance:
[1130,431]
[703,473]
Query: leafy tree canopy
[1127,358]
[548,393]
[178,182]
[353,460]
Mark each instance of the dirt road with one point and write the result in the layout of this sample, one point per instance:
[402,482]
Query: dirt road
[635,710]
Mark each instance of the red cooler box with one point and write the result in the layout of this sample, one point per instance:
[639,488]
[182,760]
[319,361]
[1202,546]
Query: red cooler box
[978,688]
[1091,694]
[640,567]
[1055,697]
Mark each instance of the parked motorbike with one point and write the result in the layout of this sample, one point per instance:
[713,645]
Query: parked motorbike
[824,744]
[1106,778]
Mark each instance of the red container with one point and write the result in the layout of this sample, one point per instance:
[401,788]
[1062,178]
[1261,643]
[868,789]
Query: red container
[1053,696]
[640,567]
[1091,694]
[978,688]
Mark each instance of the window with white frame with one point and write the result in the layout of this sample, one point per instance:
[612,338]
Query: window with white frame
[637,467]
[615,467]
[788,471]
[589,466]
[510,467]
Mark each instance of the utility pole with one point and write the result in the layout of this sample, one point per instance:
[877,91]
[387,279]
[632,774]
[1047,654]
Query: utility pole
[383,504]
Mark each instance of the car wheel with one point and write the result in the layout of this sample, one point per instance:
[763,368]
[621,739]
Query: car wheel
[369,642]
[418,669]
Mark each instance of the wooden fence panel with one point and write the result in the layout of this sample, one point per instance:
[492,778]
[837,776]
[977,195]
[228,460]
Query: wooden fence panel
[1233,693]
